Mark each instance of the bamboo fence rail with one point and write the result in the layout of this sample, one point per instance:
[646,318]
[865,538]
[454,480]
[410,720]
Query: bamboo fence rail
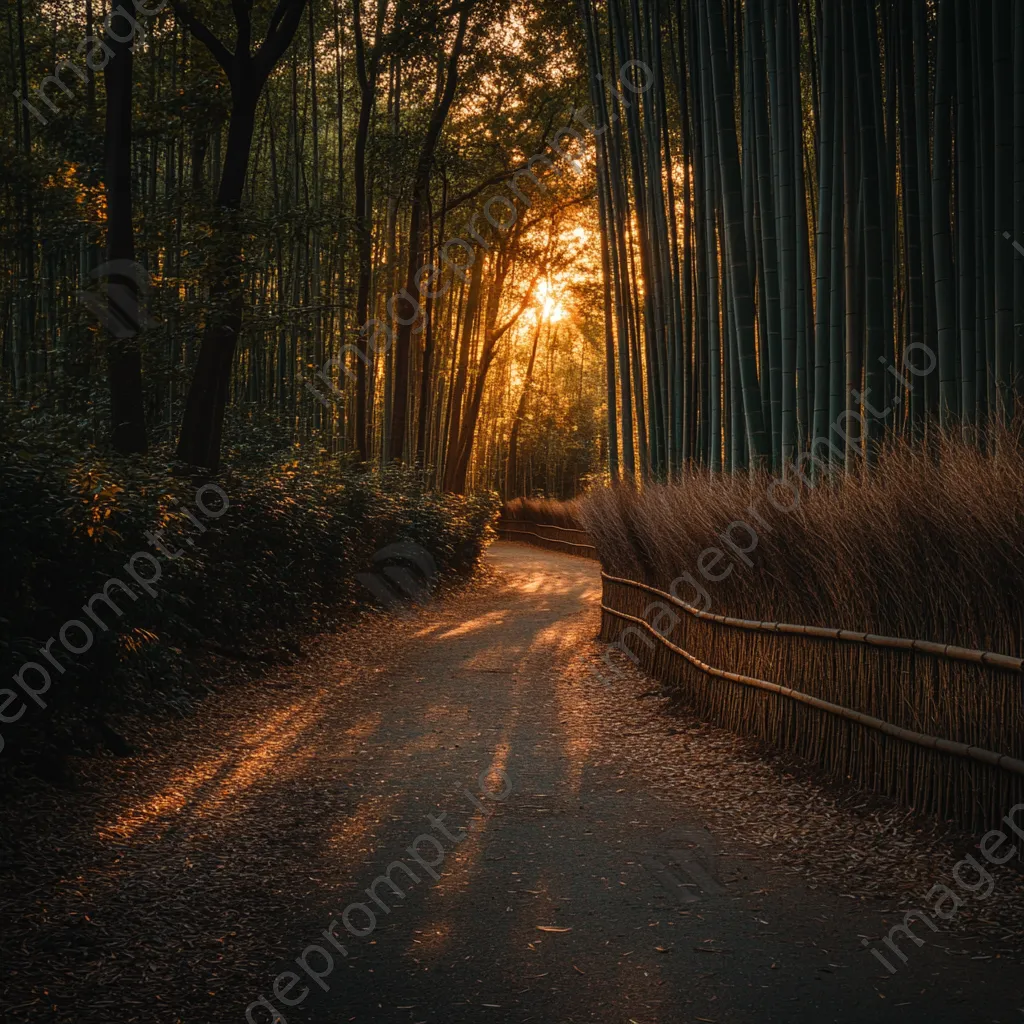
[922,740]
[570,542]
[936,726]
[939,728]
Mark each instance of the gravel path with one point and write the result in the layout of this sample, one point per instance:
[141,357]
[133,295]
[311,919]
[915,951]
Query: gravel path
[594,853]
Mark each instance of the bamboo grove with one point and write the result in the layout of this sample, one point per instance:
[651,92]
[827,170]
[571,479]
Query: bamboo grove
[812,213]
[796,227]
[194,241]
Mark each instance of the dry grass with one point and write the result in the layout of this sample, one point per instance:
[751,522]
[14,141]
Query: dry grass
[923,547]
[544,510]
[927,546]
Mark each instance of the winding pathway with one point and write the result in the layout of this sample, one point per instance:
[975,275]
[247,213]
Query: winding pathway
[600,857]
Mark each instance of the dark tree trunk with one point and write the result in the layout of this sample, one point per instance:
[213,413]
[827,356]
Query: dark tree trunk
[512,489]
[366,71]
[739,276]
[124,357]
[405,307]
[458,392]
[203,421]
[428,341]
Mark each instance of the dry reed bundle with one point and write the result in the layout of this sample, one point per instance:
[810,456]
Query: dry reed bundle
[544,511]
[925,547]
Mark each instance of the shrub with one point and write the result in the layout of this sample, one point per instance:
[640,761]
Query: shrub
[282,557]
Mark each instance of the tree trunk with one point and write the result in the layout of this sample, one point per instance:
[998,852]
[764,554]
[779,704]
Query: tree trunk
[366,71]
[458,392]
[512,489]
[407,305]
[203,421]
[1002,253]
[732,197]
[124,318]
[945,306]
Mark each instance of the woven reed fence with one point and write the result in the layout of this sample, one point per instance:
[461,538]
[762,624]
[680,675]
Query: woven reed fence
[554,538]
[939,728]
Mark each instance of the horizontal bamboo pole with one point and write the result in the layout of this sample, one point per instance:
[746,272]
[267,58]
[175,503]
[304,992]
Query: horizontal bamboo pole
[938,650]
[504,524]
[965,654]
[532,533]
[1002,761]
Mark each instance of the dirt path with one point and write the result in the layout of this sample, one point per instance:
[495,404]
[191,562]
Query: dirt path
[593,855]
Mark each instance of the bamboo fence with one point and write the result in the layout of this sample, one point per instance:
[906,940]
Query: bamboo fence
[938,727]
[554,538]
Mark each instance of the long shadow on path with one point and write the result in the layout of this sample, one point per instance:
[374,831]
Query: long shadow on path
[569,887]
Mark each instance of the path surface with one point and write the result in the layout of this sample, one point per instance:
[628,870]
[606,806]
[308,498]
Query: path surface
[631,866]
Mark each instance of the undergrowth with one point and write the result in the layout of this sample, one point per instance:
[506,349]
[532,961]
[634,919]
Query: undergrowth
[281,560]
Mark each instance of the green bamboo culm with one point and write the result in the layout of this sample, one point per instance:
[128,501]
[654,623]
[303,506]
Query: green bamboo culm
[810,226]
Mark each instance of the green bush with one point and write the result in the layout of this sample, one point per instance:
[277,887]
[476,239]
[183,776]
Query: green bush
[281,559]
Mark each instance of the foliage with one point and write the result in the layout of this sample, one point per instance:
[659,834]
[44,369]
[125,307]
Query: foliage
[282,559]
[295,358]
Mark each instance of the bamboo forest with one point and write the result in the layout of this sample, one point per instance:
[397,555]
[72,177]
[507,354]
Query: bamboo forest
[598,421]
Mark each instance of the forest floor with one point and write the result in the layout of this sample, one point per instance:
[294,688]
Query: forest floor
[621,861]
